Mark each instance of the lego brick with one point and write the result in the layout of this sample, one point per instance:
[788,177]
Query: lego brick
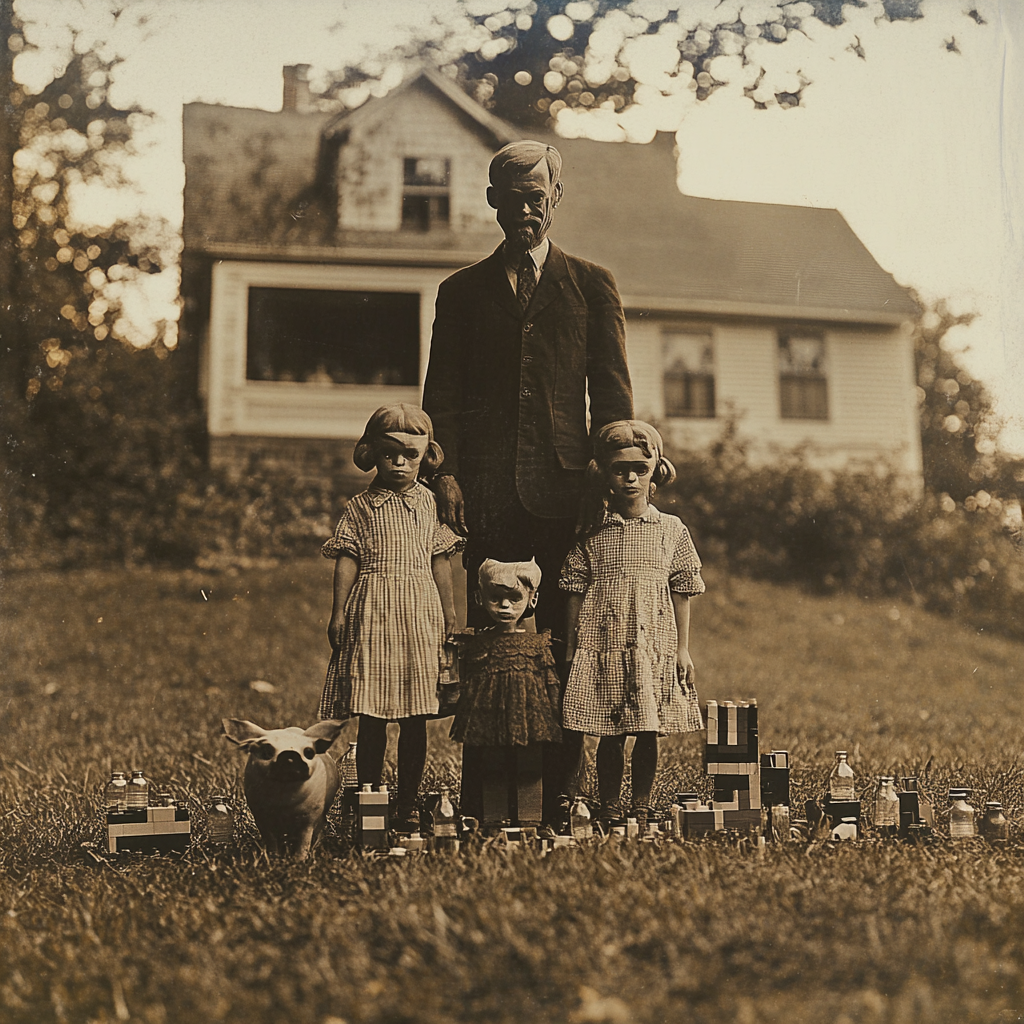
[161,814]
[727,805]
[112,844]
[732,731]
[730,755]
[774,785]
[181,814]
[171,828]
[372,823]
[712,719]
[835,811]
[126,817]
[741,724]
[372,798]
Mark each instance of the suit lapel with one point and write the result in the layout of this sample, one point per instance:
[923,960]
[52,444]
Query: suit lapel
[550,284]
[498,279]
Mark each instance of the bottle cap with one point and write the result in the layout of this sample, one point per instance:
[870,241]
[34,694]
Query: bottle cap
[994,805]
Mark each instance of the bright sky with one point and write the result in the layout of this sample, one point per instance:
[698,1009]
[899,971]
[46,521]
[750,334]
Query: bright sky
[921,149]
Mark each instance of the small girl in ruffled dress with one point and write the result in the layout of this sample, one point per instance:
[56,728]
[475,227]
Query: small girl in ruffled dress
[393,601]
[507,714]
[630,578]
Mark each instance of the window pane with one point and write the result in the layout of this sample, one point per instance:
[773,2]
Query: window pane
[803,398]
[416,213]
[689,375]
[307,334]
[429,171]
[801,354]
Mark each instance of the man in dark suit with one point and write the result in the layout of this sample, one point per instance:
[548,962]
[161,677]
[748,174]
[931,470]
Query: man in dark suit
[520,339]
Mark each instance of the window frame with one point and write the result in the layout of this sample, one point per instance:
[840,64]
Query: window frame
[803,394]
[688,379]
[437,196]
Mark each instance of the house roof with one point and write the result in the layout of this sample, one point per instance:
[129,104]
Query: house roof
[251,193]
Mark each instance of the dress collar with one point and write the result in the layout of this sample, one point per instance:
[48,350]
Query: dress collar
[652,515]
[412,498]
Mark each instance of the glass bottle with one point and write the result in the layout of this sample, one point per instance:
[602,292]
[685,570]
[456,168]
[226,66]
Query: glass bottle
[220,820]
[446,836]
[840,782]
[116,793]
[138,791]
[994,825]
[887,805]
[582,826]
[961,815]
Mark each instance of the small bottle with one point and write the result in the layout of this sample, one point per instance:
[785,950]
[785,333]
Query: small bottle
[446,836]
[116,793]
[220,820]
[582,826]
[961,814]
[994,826]
[887,805]
[138,791]
[632,828]
[840,782]
[349,778]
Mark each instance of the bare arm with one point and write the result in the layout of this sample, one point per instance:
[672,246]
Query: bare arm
[681,607]
[441,567]
[574,603]
[346,569]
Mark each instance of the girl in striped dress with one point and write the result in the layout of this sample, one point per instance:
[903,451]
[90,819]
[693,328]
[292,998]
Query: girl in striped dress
[630,578]
[393,602]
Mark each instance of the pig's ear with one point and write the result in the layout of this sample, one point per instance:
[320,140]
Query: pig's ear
[241,732]
[324,734]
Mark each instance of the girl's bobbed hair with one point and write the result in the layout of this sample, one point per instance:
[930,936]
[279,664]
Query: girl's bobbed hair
[614,437]
[399,418]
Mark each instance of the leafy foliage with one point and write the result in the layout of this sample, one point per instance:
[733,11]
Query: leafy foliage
[528,60]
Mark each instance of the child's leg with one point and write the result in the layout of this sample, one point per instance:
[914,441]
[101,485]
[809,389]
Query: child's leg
[412,756]
[610,764]
[644,765]
[372,741]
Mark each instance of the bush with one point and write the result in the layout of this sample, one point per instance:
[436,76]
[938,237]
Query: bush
[857,530]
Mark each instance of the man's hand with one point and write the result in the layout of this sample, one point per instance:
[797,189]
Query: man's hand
[450,508]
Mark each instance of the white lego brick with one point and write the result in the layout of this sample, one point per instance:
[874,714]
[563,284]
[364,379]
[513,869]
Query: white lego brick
[372,798]
[727,805]
[112,842]
[172,828]
[161,814]
[719,819]
[113,831]
[373,824]
[732,726]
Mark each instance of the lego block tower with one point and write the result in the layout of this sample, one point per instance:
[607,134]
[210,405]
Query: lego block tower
[733,762]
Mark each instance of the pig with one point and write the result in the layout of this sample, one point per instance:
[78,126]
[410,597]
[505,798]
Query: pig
[290,781]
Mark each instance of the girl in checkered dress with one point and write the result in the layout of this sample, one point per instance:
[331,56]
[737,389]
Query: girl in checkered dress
[393,603]
[630,578]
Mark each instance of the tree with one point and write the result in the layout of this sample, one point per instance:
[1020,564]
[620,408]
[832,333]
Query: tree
[91,414]
[530,61]
[958,423]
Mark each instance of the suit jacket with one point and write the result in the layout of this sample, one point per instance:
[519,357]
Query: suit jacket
[507,389]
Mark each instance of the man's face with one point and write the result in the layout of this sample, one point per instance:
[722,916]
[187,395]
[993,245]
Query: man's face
[506,605]
[525,203]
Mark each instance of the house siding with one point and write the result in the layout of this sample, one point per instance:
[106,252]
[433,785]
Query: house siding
[419,124]
[870,387]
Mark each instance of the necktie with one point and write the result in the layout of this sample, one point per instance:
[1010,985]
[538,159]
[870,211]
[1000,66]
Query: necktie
[526,281]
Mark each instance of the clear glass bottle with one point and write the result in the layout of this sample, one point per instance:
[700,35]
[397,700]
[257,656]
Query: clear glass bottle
[582,826]
[961,814]
[446,835]
[138,791]
[220,820]
[994,825]
[840,782]
[887,805]
[116,794]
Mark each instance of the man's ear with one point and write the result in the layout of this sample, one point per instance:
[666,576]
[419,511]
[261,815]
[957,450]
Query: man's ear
[492,197]
[557,194]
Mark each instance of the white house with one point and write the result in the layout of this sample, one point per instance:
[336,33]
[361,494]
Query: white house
[314,245]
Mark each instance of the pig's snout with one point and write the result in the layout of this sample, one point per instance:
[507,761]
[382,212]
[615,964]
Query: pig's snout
[291,764]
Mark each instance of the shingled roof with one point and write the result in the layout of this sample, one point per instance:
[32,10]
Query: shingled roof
[251,192]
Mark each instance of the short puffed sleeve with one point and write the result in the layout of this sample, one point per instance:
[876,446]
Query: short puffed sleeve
[346,536]
[575,571]
[684,571]
[446,541]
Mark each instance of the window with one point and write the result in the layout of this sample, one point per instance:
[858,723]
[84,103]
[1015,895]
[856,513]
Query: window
[689,375]
[333,337]
[803,383]
[425,202]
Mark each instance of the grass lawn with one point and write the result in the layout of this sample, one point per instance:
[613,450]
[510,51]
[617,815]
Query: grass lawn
[124,669]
